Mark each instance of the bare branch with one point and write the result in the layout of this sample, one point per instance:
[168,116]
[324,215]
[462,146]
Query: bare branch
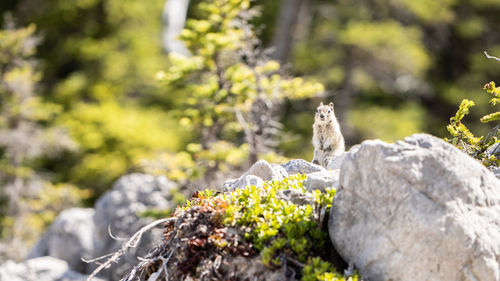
[491,57]
[97,259]
[113,236]
[131,243]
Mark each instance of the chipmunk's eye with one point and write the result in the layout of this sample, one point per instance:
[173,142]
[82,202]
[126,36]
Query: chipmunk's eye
[329,111]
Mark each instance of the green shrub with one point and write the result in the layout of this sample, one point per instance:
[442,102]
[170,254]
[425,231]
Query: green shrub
[464,139]
[231,90]
[280,230]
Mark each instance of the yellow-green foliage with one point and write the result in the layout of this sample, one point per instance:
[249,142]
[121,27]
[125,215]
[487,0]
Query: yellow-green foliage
[383,54]
[113,137]
[278,228]
[387,123]
[217,81]
[319,270]
[116,44]
[459,130]
[464,139]
[178,167]
[39,210]
[13,44]
[99,61]
[430,10]
[29,201]
[390,42]
[492,89]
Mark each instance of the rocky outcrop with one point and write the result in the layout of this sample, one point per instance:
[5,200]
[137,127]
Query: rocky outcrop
[117,211]
[245,180]
[322,180]
[259,172]
[301,166]
[40,269]
[86,233]
[336,162]
[262,171]
[418,209]
[68,238]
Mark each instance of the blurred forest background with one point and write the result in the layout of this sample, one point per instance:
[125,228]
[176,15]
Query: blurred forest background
[93,89]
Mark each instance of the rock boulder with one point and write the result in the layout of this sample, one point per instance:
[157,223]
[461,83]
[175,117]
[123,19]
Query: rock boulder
[40,269]
[418,209]
[322,180]
[118,210]
[301,166]
[259,172]
[68,238]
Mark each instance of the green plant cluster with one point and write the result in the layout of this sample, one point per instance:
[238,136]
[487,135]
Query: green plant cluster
[280,229]
[493,90]
[464,139]
[316,269]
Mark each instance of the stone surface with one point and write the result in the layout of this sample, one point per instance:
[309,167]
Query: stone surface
[119,208]
[245,180]
[301,166]
[295,196]
[337,161]
[249,180]
[494,150]
[265,171]
[495,171]
[68,238]
[418,209]
[85,233]
[40,269]
[280,171]
[229,185]
[259,172]
[322,180]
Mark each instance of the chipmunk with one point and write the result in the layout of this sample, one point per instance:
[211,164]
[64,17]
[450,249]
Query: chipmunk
[327,139]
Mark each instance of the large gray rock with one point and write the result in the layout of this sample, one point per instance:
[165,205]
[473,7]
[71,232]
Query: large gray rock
[418,209]
[336,162]
[118,211]
[85,233]
[40,269]
[301,166]
[322,180]
[68,238]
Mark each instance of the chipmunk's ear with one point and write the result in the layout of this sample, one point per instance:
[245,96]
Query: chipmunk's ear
[321,104]
[331,104]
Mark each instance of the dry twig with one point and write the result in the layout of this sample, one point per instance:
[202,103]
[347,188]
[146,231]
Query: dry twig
[491,57]
[131,243]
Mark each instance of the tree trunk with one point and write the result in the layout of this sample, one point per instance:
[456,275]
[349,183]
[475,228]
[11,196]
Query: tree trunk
[283,37]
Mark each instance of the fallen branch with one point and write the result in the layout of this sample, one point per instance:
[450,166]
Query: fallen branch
[491,57]
[131,243]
